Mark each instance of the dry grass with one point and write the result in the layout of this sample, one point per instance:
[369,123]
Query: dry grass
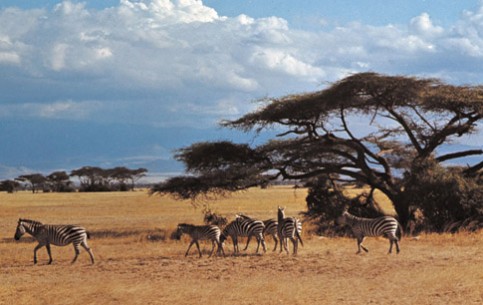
[131,269]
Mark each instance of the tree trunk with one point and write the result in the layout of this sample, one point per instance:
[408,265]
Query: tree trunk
[401,205]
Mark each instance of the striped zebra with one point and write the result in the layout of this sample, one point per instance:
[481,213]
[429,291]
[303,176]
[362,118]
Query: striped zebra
[58,235]
[288,228]
[206,232]
[271,228]
[386,226]
[244,226]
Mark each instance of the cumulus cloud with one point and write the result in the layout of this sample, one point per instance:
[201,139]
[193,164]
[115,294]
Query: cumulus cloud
[163,62]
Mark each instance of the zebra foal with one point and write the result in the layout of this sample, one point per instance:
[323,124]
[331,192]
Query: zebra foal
[207,232]
[288,228]
[386,226]
[58,235]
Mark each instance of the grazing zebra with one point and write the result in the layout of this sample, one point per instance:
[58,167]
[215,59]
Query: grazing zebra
[386,226]
[208,232]
[59,235]
[244,226]
[288,227]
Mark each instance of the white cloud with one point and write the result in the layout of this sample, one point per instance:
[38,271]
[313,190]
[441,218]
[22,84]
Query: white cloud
[142,59]
[56,110]
[422,25]
[9,58]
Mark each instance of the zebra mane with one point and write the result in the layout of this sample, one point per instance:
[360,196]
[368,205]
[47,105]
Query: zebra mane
[35,222]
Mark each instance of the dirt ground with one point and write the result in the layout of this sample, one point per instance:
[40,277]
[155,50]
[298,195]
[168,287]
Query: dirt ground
[432,270]
[131,268]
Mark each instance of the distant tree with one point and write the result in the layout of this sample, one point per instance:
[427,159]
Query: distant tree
[126,178]
[92,179]
[9,186]
[36,181]
[367,128]
[96,179]
[60,182]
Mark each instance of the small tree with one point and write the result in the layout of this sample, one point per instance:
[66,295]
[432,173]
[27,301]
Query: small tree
[36,181]
[60,182]
[92,179]
[9,186]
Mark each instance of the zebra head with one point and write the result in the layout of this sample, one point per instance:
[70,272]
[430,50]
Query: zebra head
[20,229]
[342,219]
[182,228]
[223,237]
[281,213]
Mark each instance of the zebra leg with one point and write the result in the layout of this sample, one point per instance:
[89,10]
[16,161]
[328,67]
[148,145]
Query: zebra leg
[285,245]
[47,246]
[264,246]
[281,239]
[198,246]
[220,248]
[235,245]
[35,252]
[394,241]
[359,245]
[295,245]
[212,248]
[276,242]
[86,247]
[189,247]
[77,251]
[248,241]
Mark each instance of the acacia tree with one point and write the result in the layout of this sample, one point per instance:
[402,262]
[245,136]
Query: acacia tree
[36,181]
[124,175]
[60,181]
[367,128]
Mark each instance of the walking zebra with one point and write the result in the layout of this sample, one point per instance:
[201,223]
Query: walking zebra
[59,235]
[271,228]
[207,232]
[288,227]
[244,226]
[386,226]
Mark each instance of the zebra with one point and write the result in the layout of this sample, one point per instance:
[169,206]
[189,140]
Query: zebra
[288,228]
[59,235]
[386,226]
[271,228]
[244,226]
[204,232]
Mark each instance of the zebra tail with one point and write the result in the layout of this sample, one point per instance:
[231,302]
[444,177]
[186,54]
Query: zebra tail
[299,237]
[88,235]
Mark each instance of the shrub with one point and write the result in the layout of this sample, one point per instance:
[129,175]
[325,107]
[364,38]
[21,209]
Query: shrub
[447,199]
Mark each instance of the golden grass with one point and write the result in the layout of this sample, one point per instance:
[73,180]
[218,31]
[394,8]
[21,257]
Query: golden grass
[131,269]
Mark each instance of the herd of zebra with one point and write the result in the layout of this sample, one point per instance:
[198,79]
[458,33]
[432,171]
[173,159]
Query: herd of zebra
[281,229]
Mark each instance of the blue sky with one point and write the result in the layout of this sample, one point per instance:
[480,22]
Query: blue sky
[111,83]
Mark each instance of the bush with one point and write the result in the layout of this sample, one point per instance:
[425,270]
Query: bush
[448,200]
[325,203]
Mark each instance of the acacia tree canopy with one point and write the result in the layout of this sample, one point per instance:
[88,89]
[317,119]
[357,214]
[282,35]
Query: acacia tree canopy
[366,128]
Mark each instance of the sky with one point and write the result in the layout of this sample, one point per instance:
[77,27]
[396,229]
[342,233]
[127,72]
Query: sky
[125,83]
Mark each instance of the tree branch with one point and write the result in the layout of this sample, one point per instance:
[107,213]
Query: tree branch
[460,154]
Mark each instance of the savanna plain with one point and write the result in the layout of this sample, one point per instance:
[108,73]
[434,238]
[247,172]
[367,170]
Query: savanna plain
[138,263]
